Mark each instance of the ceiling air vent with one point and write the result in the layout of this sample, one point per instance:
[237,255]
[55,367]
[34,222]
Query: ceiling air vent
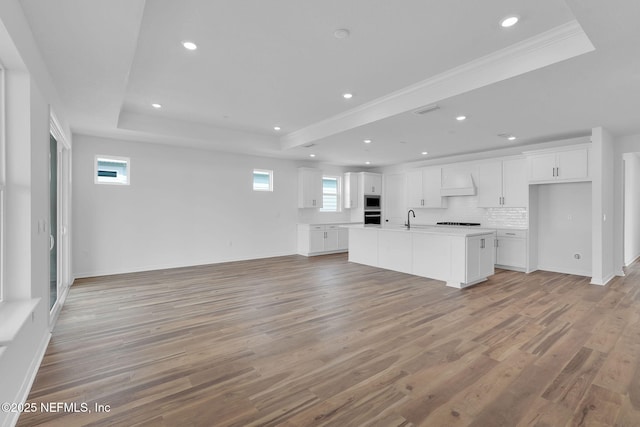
[309,145]
[426,109]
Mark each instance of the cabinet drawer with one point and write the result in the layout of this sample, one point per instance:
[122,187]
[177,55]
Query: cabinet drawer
[512,233]
[317,227]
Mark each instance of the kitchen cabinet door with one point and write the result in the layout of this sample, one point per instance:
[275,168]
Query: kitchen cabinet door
[480,257]
[431,185]
[331,239]
[542,167]
[512,252]
[309,188]
[490,185]
[372,183]
[316,240]
[573,164]
[487,256]
[515,188]
[415,197]
[423,188]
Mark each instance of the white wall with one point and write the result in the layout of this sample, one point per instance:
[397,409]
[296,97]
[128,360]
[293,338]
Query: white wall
[564,227]
[631,207]
[183,207]
[29,95]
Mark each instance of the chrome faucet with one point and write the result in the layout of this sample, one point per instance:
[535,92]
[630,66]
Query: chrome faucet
[408,224]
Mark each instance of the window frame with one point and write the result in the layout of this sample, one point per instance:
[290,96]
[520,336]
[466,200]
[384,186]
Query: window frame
[267,172]
[338,194]
[106,157]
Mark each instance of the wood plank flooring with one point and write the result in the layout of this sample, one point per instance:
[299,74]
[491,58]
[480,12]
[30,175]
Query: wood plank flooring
[298,341]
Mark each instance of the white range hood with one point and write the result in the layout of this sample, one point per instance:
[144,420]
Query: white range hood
[456,182]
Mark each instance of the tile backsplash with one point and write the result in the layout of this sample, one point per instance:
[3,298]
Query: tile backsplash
[464,209]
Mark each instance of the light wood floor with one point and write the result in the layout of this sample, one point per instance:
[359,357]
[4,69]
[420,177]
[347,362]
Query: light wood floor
[301,341]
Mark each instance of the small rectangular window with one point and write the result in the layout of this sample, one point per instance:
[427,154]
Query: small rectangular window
[112,170]
[262,180]
[330,194]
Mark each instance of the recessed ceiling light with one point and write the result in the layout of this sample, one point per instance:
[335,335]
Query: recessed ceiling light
[189,45]
[511,138]
[461,118]
[367,163]
[156,105]
[276,128]
[347,95]
[312,155]
[367,141]
[341,33]
[509,21]
[424,153]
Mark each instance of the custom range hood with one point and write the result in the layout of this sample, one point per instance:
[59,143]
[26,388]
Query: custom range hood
[457,182]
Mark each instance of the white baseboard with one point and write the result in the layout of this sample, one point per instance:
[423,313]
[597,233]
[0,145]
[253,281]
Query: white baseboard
[168,266]
[604,281]
[634,259]
[25,388]
[564,270]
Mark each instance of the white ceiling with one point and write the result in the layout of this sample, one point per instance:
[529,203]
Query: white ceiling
[265,63]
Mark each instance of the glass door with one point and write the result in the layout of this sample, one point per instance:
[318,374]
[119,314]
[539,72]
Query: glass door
[53,221]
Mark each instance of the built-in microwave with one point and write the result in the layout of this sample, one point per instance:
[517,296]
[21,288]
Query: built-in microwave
[372,203]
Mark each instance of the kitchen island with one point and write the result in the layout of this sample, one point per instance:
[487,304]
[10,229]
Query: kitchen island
[459,256]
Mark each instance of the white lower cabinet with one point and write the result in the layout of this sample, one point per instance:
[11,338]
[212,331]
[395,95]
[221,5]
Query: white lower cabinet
[480,258]
[511,249]
[318,239]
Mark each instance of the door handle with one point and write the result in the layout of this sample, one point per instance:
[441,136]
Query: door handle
[481,243]
[52,241]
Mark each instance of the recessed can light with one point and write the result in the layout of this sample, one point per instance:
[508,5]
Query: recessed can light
[189,45]
[154,105]
[461,118]
[341,33]
[367,141]
[276,128]
[424,153]
[312,155]
[509,21]
[347,95]
[511,138]
[367,163]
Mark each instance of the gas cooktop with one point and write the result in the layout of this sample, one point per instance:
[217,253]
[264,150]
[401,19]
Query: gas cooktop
[464,224]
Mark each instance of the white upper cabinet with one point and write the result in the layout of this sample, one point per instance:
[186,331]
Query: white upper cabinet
[309,188]
[423,188]
[351,193]
[562,164]
[503,183]
[372,183]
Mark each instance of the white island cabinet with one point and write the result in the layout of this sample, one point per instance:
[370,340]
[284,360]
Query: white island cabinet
[459,256]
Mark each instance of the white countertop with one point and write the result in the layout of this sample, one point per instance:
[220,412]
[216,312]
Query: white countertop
[428,229]
[331,223]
